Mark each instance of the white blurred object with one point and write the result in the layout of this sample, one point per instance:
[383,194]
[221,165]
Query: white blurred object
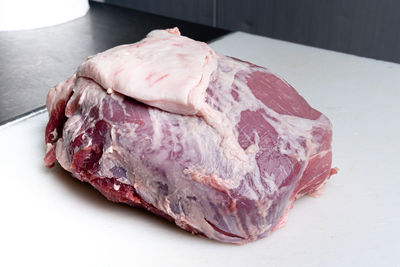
[28,14]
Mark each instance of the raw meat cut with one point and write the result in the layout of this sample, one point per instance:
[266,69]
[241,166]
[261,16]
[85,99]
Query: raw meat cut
[220,146]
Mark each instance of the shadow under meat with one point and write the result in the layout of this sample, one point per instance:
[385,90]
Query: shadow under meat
[86,193]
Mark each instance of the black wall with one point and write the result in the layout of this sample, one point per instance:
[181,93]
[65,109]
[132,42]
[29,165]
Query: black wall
[369,28]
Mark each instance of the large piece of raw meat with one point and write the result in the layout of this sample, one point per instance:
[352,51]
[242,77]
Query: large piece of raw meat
[220,146]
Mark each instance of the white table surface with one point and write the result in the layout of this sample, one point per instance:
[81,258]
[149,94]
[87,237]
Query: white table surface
[49,218]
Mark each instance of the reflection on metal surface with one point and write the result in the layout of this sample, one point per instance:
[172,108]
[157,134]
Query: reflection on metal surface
[22,117]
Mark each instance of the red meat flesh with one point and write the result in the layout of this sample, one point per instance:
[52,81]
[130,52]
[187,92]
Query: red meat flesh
[175,166]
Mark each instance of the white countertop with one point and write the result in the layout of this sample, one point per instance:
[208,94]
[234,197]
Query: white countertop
[49,218]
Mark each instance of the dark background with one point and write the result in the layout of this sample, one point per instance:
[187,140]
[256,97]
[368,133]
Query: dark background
[369,28]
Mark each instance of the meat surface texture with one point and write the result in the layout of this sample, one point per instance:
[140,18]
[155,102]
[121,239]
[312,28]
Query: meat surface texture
[229,166]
